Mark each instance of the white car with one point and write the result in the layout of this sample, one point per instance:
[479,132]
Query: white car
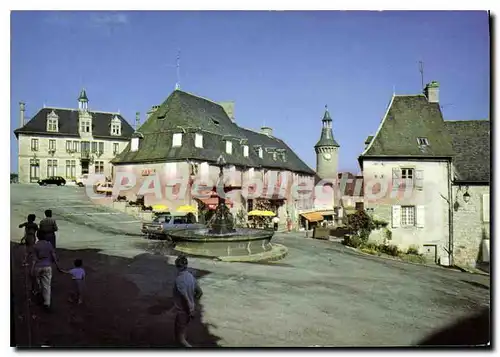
[82,180]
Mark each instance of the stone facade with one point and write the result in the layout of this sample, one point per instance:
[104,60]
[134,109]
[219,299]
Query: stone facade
[52,149]
[166,184]
[471,225]
[424,197]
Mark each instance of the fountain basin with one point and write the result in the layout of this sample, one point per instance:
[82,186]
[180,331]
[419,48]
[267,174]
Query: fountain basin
[245,244]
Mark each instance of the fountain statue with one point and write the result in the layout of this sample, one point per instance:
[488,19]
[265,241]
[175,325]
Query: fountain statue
[221,240]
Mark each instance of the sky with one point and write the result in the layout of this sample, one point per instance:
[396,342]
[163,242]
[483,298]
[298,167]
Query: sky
[280,68]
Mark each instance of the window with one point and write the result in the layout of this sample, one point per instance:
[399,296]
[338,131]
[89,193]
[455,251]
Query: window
[85,126]
[76,146]
[51,168]
[198,140]
[204,170]
[94,147]
[116,126]
[229,147]
[34,144]
[99,167]
[85,146]
[52,145]
[34,170]
[70,169]
[52,125]
[101,147]
[407,216]
[180,220]
[115,148]
[275,156]
[52,120]
[69,145]
[177,140]
[402,177]
[261,153]
[422,141]
[245,150]
[134,144]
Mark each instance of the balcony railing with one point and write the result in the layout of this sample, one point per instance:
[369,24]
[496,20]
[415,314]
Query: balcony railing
[85,154]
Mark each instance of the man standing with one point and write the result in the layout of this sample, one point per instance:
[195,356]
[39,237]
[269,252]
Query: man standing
[276,221]
[186,290]
[42,269]
[48,228]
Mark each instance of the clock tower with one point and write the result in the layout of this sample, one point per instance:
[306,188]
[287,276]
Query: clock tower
[327,150]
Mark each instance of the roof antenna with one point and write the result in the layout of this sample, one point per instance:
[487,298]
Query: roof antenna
[178,83]
[421,70]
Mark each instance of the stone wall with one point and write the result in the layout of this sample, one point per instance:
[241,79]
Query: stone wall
[470,225]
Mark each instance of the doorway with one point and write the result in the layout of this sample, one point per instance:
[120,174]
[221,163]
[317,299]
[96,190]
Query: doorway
[85,167]
[34,170]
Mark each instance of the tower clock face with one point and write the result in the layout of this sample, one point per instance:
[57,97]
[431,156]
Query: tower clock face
[327,156]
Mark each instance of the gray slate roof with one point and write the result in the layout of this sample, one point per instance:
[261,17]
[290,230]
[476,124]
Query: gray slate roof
[186,113]
[471,141]
[68,124]
[408,118]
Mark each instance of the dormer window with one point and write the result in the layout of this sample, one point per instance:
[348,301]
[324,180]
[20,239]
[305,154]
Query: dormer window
[134,144]
[177,140]
[85,125]
[52,122]
[198,140]
[275,156]
[245,150]
[229,147]
[260,152]
[116,126]
[423,141]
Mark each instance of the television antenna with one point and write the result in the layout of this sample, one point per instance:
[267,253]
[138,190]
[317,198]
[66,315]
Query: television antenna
[421,70]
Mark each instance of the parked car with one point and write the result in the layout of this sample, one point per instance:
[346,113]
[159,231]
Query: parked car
[166,222]
[52,180]
[82,180]
[104,188]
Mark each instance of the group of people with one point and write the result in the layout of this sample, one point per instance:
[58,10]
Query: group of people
[40,254]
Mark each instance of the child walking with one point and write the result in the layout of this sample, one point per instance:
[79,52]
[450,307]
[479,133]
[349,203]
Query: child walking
[78,277]
[29,238]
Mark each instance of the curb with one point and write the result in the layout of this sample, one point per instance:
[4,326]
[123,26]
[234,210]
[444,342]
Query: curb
[402,261]
[470,270]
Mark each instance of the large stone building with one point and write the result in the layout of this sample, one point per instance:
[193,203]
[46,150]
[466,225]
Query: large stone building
[69,142]
[179,144]
[416,171]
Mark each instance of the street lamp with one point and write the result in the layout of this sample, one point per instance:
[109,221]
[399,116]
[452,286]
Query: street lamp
[466,197]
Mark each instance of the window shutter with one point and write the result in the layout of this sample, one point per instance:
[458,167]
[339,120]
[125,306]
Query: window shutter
[396,176]
[245,150]
[396,216]
[134,144]
[229,147]
[486,207]
[419,179]
[420,216]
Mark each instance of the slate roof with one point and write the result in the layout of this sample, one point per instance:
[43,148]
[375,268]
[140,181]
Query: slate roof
[471,141]
[326,138]
[68,124]
[186,113]
[409,117]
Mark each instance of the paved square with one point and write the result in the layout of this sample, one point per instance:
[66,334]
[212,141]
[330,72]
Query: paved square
[321,294]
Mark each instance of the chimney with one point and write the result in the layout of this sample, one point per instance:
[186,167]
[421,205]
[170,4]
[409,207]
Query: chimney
[21,114]
[431,91]
[267,130]
[153,109]
[137,120]
[229,109]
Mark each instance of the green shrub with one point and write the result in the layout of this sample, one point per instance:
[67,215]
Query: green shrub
[412,258]
[370,251]
[390,250]
[371,246]
[412,250]
[352,241]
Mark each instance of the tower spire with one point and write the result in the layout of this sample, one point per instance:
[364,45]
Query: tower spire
[83,100]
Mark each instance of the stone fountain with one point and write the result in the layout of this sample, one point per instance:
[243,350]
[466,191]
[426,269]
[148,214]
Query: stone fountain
[220,239]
